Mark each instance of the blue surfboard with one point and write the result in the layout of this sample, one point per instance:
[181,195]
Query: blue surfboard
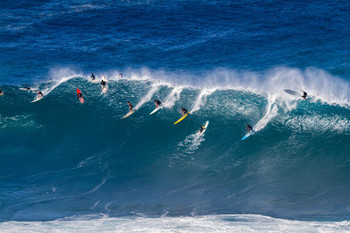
[248,135]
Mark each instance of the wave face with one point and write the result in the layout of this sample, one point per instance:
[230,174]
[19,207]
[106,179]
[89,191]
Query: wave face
[60,158]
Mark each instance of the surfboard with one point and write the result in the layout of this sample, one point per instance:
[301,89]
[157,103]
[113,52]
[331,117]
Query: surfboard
[156,110]
[205,127]
[25,89]
[37,99]
[291,92]
[105,89]
[248,135]
[183,117]
[94,80]
[81,99]
[128,114]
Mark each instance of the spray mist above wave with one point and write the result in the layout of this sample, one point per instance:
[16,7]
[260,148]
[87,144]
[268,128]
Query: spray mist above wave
[319,84]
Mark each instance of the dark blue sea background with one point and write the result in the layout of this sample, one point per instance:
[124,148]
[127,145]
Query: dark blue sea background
[228,61]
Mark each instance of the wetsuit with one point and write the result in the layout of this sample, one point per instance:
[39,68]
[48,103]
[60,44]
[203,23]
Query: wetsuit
[249,128]
[157,102]
[304,95]
[103,83]
[92,76]
[184,110]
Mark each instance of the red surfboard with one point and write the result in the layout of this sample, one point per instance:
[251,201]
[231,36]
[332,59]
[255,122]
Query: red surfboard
[81,99]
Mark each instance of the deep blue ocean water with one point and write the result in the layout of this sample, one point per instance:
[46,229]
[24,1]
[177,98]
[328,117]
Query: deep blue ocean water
[227,61]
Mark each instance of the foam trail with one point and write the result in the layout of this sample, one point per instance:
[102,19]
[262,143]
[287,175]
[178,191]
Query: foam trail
[201,99]
[174,95]
[147,97]
[47,90]
[191,143]
[271,112]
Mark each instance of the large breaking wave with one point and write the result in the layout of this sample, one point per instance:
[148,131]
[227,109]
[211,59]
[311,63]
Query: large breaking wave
[60,158]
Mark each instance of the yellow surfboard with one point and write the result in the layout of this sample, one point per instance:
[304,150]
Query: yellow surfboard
[183,117]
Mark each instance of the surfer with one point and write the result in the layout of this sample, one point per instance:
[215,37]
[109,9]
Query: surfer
[130,106]
[201,129]
[26,87]
[80,95]
[184,111]
[103,83]
[92,76]
[1,92]
[249,128]
[40,95]
[157,103]
[304,94]
[120,75]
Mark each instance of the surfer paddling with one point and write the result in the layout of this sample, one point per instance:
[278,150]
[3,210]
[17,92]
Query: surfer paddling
[184,111]
[157,103]
[26,87]
[1,92]
[304,94]
[130,106]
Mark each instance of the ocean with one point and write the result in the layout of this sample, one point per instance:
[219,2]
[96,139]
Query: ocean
[67,166]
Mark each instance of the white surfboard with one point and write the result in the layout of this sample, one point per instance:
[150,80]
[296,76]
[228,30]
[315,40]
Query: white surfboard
[291,92]
[25,89]
[205,127]
[156,110]
[104,89]
[94,81]
[128,114]
[37,99]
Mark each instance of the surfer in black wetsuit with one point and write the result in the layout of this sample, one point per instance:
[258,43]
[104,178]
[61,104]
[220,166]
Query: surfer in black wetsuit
[103,83]
[130,106]
[92,76]
[120,75]
[201,129]
[249,128]
[304,94]
[1,92]
[157,103]
[184,111]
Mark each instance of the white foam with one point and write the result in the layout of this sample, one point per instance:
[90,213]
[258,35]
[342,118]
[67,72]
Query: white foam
[174,95]
[320,85]
[209,223]
[201,98]
[271,112]
[147,97]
